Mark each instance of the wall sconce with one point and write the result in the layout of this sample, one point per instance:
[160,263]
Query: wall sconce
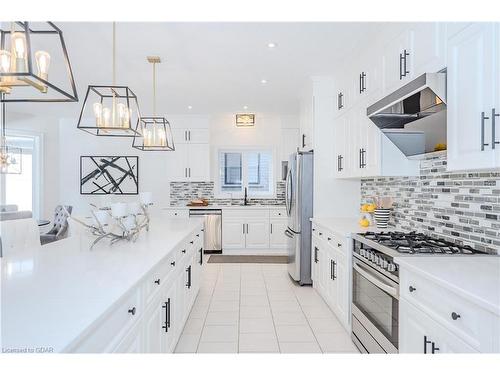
[245,120]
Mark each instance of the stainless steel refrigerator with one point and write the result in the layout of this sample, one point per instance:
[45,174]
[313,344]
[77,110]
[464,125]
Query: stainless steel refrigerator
[299,208]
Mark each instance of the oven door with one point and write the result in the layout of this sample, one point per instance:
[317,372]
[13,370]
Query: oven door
[375,304]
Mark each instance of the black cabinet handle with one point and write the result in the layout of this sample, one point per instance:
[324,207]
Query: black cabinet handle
[303,140]
[329,238]
[360,84]
[331,269]
[339,245]
[271,228]
[425,344]
[188,284]
[172,264]
[363,75]
[201,255]
[315,254]
[166,306]
[334,271]
[157,281]
[434,348]
[406,71]
[320,233]
[363,158]
[455,316]
[403,59]
[341,163]
[198,235]
[184,251]
[360,158]
[493,130]
[483,118]
[340,100]
[191,242]
[132,311]
[412,289]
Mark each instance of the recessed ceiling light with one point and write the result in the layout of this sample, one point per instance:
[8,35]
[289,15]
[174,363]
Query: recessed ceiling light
[263,81]
[245,107]
[190,107]
[271,45]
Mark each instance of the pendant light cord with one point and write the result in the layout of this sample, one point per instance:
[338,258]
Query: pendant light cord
[154,89]
[114,53]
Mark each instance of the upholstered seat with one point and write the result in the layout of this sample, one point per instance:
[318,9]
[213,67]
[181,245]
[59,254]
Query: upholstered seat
[60,228]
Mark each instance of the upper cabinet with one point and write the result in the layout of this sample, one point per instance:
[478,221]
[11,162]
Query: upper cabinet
[306,124]
[473,98]
[398,61]
[190,135]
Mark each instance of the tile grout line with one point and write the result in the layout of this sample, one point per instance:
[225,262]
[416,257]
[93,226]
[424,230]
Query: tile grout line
[206,315]
[272,315]
[308,323]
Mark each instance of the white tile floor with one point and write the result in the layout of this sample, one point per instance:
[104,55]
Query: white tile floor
[256,308]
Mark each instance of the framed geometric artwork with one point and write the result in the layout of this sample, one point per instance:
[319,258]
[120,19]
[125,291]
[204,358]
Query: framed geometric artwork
[100,175]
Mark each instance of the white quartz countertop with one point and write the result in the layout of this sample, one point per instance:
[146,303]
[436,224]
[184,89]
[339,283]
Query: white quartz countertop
[344,226]
[51,294]
[236,207]
[474,277]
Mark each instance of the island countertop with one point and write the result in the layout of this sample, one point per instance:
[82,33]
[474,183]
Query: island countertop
[53,293]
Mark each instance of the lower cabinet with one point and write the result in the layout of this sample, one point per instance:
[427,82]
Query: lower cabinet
[151,317]
[254,231]
[330,271]
[419,333]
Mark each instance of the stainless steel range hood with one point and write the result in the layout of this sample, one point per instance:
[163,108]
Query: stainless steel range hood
[414,116]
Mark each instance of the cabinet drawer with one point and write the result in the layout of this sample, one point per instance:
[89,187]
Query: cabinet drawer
[245,213]
[277,213]
[106,335]
[161,274]
[176,213]
[476,326]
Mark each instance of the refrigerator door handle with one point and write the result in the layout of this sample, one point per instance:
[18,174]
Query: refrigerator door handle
[288,193]
[288,233]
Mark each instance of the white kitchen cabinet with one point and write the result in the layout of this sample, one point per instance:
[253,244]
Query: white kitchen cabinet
[189,162]
[366,77]
[151,322]
[306,121]
[418,333]
[233,233]
[277,237]
[331,271]
[398,61]
[190,135]
[429,47]
[472,81]
[257,234]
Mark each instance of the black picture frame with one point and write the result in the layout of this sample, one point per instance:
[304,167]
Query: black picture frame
[113,186]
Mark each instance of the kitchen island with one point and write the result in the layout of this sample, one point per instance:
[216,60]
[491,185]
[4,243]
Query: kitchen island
[128,297]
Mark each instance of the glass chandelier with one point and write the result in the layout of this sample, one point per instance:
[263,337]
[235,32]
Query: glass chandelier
[109,110]
[153,132]
[10,157]
[27,51]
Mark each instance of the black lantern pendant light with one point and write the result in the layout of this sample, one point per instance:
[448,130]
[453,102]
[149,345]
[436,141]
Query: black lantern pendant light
[27,50]
[109,110]
[155,132]
[10,157]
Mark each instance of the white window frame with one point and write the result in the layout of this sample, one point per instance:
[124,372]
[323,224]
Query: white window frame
[244,174]
[37,169]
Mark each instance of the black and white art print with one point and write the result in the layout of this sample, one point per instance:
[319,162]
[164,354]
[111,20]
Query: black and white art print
[109,175]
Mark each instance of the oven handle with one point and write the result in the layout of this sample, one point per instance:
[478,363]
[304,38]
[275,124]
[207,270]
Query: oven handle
[376,281]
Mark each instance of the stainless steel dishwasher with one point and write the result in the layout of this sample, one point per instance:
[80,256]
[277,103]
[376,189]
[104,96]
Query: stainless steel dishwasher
[213,228]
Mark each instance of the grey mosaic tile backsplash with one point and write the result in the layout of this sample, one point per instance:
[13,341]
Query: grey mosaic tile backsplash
[182,192]
[463,207]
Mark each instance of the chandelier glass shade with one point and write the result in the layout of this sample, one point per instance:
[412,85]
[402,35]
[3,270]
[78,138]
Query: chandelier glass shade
[34,63]
[153,132]
[110,110]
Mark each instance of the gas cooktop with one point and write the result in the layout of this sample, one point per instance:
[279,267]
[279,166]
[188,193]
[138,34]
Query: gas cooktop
[417,243]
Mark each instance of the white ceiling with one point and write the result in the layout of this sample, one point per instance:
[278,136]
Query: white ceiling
[213,67]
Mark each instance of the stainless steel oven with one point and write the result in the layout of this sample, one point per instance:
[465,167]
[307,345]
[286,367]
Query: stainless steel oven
[375,301]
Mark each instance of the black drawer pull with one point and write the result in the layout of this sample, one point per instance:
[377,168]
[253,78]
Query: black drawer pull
[172,264]
[184,251]
[454,315]
[412,289]
[132,311]
[157,281]
[191,242]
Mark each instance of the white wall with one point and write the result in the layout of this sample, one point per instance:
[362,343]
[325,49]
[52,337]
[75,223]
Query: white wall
[267,133]
[153,166]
